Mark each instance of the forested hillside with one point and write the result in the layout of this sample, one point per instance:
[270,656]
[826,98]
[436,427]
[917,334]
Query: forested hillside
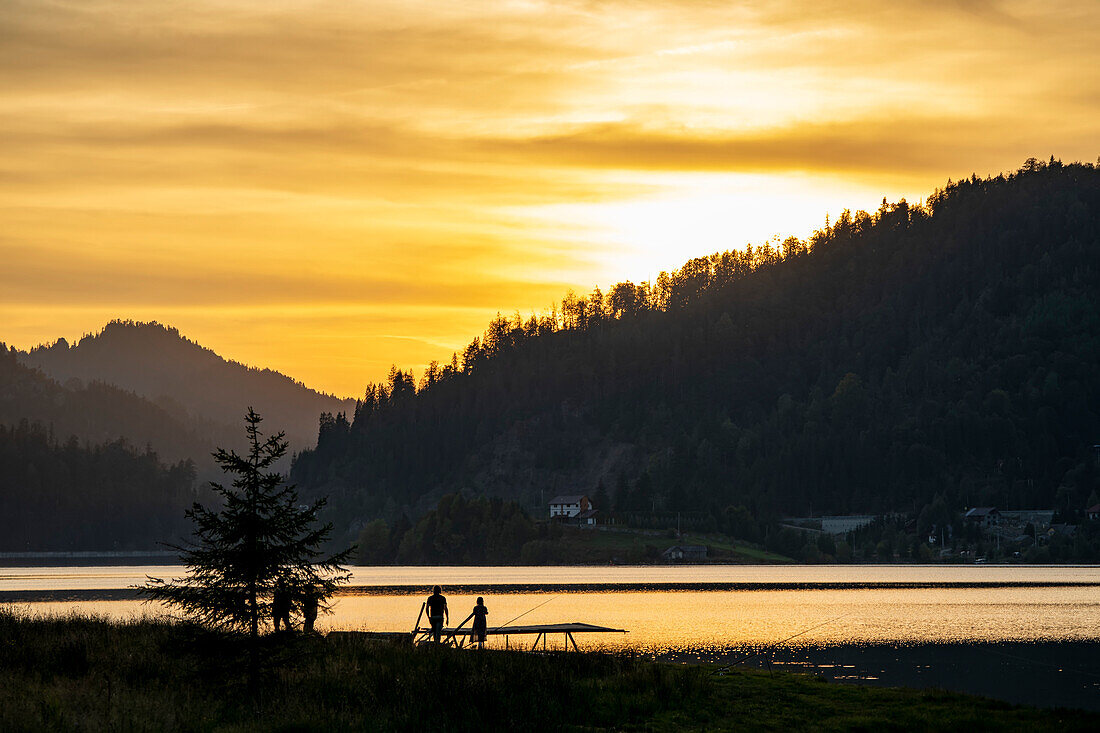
[61,495]
[945,351]
[187,379]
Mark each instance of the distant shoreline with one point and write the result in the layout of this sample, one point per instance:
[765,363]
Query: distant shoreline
[130,594]
[49,554]
[86,558]
[95,558]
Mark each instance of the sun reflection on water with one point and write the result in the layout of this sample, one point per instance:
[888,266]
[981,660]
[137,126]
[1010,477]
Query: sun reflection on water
[707,622]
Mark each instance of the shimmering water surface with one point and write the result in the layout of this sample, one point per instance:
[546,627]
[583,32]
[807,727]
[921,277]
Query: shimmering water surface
[833,607]
[109,577]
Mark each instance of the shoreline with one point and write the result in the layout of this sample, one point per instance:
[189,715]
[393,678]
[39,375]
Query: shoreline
[52,595]
[111,558]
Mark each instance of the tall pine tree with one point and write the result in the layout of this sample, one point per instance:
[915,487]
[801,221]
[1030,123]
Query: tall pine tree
[262,537]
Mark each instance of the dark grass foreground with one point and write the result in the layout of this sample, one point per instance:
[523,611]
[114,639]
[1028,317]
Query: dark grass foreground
[90,674]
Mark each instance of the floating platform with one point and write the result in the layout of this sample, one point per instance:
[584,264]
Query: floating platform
[460,636]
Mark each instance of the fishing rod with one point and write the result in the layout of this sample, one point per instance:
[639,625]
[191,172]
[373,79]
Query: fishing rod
[498,628]
[778,643]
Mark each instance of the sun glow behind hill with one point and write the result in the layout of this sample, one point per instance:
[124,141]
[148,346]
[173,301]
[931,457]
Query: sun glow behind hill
[694,214]
[327,188]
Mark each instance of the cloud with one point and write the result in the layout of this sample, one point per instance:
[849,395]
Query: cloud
[401,153]
[910,145]
[66,277]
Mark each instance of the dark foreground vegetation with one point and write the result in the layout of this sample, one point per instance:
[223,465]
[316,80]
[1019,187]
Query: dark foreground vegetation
[90,674]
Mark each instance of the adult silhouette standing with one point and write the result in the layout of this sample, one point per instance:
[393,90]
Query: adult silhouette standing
[311,600]
[480,615]
[437,612]
[280,606]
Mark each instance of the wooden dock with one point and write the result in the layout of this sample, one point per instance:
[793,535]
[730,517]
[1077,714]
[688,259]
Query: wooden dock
[460,636]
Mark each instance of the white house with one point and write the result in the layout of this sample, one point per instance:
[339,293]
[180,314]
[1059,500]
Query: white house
[569,506]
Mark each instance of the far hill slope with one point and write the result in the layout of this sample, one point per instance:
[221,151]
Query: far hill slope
[156,362]
[98,413]
[947,351]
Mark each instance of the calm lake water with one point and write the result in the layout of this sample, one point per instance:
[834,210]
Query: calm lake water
[692,611]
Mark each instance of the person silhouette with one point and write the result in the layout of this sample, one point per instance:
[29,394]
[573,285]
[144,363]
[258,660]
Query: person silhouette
[311,601]
[437,612]
[480,622]
[280,606]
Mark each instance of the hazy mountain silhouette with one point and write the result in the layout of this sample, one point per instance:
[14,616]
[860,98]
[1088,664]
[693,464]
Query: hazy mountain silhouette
[92,466]
[917,359]
[188,381]
[97,413]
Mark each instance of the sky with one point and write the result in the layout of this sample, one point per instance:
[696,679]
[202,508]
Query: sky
[328,188]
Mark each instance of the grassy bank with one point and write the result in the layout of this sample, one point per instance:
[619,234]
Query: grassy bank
[89,674]
[590,546]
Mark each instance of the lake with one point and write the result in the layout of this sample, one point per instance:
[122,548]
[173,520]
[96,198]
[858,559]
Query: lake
[683,609]
[1025,634]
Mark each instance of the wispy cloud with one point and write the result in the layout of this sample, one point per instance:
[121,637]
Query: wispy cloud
[943,146]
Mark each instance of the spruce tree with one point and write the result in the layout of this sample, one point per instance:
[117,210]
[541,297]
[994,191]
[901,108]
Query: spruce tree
[261,538]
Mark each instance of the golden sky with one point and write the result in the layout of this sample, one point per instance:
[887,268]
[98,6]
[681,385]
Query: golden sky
[328,188]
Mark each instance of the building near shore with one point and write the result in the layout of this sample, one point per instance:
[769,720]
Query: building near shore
[983,516]
[569,505]
[681,553]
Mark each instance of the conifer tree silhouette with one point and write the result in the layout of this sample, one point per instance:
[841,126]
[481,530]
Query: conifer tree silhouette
[262,537]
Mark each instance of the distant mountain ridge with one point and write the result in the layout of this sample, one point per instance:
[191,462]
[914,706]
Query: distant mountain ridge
[186,379]
[105,443]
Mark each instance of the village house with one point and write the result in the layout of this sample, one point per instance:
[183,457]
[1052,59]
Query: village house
[1093,512]
[1065,530]
[569,506]
[680,553]
[983,516]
